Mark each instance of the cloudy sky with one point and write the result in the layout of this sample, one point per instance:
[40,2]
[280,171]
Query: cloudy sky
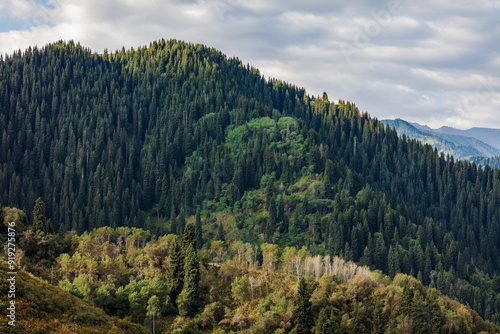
[433,62]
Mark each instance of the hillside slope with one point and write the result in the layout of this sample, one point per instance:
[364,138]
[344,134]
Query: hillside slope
[43,308]
[486,135]
[493,162]
[145,138]
[238,293]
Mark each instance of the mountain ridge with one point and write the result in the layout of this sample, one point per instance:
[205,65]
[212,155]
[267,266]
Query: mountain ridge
[447,140]
[148,138]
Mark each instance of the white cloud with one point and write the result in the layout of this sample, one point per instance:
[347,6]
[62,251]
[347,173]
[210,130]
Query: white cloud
[422,62]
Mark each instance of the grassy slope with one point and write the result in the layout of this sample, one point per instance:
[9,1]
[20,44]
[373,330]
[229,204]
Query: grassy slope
[43,308]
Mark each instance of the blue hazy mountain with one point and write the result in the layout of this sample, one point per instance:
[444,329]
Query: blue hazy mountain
[459,143]
[486,135]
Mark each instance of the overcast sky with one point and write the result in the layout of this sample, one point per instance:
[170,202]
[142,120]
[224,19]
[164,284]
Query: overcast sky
[433,62]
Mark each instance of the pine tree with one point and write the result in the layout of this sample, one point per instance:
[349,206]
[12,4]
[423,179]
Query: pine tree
[2,214]
[173,220]
[40,222]
[393,262]
[406,303]
[325,324]
[269,193]
[272,220]
[199,231]
[220,233]
[188,301]
[181,223]
[188,239]
[317,229]
[281,214]
[328,179]
[302,315]
[175,272]
[3,227]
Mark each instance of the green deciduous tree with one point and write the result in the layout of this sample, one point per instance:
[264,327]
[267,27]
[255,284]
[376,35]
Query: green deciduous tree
[153,309]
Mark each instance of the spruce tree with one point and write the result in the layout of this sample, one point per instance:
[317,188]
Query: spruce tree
[269,193]
[40,222]
[302,315]
[199,231]
[325,324]
[3,227]
[281,214]
[175,272]
[406,304]
[188,239]
[220,233]
[188,301]
[2,214]
[328,179]
[272,221]
[173,220]
[181,223]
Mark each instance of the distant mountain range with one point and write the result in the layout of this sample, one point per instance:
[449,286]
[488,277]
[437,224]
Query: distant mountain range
[481,145]
[493,162]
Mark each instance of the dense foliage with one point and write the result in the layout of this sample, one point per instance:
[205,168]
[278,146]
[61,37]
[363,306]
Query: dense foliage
[285,291]
[143,138]
[43,308]
[493,162]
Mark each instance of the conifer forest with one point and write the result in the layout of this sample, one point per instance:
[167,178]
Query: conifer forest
[172,189]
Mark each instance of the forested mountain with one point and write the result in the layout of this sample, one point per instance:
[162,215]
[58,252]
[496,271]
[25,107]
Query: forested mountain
[44,308]
[493,162]
[459,143]
[241,288]
[147,138]
[486,135]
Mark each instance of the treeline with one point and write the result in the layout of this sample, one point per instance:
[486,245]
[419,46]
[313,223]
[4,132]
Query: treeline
[494,162]
[142,138]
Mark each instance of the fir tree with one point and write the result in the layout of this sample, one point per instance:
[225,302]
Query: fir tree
[272,220]
[3,227]
[188,301]
[220,233]
[281,214]
[406,303]
[199,231]
[40,222]
[302,315]
[188,239]
[181,223]
[175,272]
[173,220]
[325,323]
[2,214]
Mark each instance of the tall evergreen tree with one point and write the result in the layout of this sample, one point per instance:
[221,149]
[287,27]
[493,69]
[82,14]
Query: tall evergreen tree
[188,301]
[302,315]
[272,220]
[188,239]
[181,223]
[173,220]
[40,222]
[199,230]
[220,233]
[175,273]
[3,227]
